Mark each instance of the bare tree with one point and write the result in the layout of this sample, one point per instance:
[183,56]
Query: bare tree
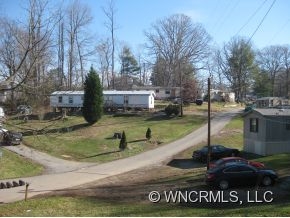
[78,18]
[104,59]
[177,41]
[60,50]
[110,13]
[270,60]
[237,62]
[286,63]
[25,49]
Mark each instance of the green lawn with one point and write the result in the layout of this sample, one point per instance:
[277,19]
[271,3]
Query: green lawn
[163,178]
[15,166]
[75,140]
[79,206]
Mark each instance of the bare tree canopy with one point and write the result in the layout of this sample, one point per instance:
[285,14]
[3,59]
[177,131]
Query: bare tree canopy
[270,60]
[78,18]
[237,62]
[177,40]
[110,13]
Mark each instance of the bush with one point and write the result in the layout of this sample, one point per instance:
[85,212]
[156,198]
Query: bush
[172,109]
[148,134]
[123,142]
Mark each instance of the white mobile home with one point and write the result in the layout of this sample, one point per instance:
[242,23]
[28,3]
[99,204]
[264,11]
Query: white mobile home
[112,99]
[129,99]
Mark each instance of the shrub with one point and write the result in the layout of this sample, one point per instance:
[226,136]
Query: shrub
[123,142]
[172,109]
[93,98]
[148,134]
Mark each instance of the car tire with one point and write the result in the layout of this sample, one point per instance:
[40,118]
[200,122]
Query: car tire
[223,184]
[203,159]
[267,181]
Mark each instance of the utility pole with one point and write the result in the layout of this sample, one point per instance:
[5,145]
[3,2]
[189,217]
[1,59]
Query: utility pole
[180,92]
[208,122]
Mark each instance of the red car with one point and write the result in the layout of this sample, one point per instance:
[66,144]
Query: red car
[225,160]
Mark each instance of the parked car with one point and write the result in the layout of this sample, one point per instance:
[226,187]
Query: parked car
[199,101]
[216,152]
[2,114]
[225,160]
[10,137]
[236,174]
[24,109]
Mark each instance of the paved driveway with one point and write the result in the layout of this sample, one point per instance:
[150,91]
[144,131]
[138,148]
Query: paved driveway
[86,174]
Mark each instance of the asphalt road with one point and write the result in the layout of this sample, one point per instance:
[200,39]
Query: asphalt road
[70,174]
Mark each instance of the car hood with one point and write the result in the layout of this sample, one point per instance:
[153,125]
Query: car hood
[16,134]
[268,171]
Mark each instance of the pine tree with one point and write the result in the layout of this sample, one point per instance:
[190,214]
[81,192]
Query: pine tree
[148,134]
[93,98]
[123,141]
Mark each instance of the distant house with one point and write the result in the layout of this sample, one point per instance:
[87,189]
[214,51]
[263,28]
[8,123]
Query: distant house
[267,102]
[219,95]
[112,99]
[267,131]
[161,93]
[3,92]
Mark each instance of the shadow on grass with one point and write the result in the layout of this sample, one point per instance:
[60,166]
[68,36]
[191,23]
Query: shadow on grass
[160,117]
[185,164]
[138,140]
[57,130]
[101,154]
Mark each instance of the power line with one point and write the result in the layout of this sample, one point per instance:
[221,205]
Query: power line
[251,17]
[228,14]
[279,31]
[262,21]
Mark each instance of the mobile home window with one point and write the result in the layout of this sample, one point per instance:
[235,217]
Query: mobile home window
[70,100]
[254,124]
[59,99]
[167,92]
[288,124]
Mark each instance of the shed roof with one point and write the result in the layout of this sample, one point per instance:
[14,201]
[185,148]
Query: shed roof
[272,111]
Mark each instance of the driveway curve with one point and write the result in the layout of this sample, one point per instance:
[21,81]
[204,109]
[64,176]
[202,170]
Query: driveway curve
[86,174]
[51,164]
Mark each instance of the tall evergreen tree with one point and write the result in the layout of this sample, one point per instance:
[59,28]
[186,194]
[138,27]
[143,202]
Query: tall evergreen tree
[93,98]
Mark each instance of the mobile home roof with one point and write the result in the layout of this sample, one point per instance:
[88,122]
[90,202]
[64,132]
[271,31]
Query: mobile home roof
[106,92]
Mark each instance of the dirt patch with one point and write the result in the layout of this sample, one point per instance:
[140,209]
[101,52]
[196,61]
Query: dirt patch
[176,175]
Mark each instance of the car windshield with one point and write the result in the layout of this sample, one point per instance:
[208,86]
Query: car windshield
[204,149]
[220,147]
[220,161]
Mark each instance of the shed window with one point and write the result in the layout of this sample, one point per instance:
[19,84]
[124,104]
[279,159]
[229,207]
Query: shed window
[59,99]
[70,100]
[254,124]
[288,124]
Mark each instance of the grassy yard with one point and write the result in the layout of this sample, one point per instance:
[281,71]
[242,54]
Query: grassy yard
[15,166]
[73,139]
[127,194]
